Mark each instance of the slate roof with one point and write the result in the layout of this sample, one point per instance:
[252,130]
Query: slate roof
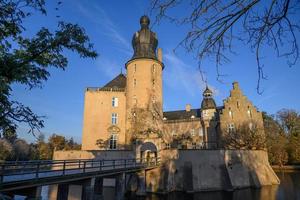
[119,82]
[184,115]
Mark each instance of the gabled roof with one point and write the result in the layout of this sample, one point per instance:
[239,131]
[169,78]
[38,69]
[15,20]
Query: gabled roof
[119,82]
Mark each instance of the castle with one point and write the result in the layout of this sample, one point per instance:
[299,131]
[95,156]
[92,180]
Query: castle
[126,113]
[124,119]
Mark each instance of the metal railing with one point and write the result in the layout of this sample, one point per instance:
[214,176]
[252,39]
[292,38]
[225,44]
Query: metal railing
[11,171]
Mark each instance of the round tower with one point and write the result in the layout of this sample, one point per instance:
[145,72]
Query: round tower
[144,80]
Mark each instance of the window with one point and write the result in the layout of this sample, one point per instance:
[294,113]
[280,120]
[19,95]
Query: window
[174,134]
[134,100]
[231,128]
[200,132]
[251,126]
[134,67]
[134,82]
[194,146]
[238,104]
[114,118]
[168,146]
[114,102]
[249,112]
[205,113]
[113,141]
[230,114]
[153,82]
[192,132]
[153,68]
[153,99]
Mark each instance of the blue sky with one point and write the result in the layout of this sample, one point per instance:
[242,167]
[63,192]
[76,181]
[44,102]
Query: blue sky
[110,26]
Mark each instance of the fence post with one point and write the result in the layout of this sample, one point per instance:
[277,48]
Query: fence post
[113,164]
[125,164]
[79,164]
[64,167]
[84,164]
[2,173]
[37,170]
[100,165]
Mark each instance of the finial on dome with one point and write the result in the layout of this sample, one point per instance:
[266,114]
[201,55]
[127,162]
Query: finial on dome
[144,21]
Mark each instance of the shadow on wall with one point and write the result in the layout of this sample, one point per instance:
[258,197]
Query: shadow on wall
[183,170]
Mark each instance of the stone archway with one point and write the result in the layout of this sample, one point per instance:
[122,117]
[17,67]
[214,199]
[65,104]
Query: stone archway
[148,152]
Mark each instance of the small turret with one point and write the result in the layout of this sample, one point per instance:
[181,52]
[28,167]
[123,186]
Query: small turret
[208,102]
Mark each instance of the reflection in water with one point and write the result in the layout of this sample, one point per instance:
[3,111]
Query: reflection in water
[288,189]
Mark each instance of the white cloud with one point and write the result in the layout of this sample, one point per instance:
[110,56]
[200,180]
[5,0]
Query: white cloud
[105,26]
[108,67]
[182,76]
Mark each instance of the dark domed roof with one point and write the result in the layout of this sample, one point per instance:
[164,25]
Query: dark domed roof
[208,103]
[144,41]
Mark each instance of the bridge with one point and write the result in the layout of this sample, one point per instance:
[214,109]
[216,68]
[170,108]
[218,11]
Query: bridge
[27,177]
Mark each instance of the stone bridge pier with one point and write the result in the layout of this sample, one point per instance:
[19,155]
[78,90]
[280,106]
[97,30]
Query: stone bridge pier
[88,189]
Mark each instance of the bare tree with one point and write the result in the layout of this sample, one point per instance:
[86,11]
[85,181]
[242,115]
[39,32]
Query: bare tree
[214,25]
[248,136]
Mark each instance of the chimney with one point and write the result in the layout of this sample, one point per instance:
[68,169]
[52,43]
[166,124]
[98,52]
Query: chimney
[188,107]
[159,54]
[235,85]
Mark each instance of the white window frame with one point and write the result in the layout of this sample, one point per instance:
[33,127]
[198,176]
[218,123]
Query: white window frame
[113,140]
[115,102]
[231,127]
[192,132]
[168,146]
[114,118]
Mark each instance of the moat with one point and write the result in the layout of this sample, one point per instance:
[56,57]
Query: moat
[289,188]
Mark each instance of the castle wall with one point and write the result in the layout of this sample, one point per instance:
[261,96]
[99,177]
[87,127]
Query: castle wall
[180,129]
[97,122]
[97,154]
[209,170]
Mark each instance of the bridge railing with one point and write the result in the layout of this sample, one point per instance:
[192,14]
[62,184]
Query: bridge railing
[24,170]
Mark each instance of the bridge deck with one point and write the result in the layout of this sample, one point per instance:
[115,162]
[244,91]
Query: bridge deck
[18,175]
